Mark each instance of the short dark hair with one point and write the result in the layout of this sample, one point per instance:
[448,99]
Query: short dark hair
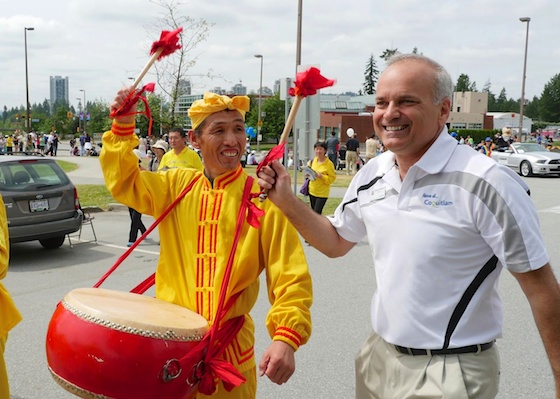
[178,130]
[320,144]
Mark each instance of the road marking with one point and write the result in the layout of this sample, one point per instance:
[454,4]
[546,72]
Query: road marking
[121,247]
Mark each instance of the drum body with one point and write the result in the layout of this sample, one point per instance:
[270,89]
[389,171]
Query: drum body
[110,344]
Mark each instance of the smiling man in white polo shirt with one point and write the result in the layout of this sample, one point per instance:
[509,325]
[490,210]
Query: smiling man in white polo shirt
[442,221]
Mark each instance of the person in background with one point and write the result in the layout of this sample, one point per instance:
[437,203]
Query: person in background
[136,224]
[436,312]
[252,159]
[180,155]
[352,153]
[9,315]
[197,240]
[487,146]
[373,146]
[9,144]
[159,148]
[332,148]
[325,175]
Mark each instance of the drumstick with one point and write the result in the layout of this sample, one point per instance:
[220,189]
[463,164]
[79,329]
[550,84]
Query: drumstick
[290,120]
[144,71]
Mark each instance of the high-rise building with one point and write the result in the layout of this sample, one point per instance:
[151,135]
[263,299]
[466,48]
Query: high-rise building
[59,90]
[239,90]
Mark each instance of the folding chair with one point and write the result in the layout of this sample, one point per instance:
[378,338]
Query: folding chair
[87,220]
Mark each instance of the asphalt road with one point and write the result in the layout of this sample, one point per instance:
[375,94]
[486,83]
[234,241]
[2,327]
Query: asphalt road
[38,279]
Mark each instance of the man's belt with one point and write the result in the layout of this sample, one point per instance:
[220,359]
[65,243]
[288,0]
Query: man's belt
[450,351]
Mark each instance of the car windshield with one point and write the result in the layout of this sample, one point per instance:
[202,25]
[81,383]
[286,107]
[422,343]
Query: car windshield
[528,147]
[30,174]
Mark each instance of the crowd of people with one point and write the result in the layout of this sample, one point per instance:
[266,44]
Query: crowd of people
[32,142]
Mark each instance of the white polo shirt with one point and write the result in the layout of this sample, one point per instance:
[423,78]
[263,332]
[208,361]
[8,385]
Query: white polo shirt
[432,233]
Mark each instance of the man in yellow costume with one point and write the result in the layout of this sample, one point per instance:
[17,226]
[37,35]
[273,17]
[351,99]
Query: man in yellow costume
[197,236]
[180,155]
[9,315]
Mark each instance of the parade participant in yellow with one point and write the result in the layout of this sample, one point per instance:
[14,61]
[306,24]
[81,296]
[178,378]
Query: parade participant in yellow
[196,237]
[320,187]
[180,155]
[9,315]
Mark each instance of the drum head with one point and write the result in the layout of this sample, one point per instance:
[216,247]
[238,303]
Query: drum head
[135,311]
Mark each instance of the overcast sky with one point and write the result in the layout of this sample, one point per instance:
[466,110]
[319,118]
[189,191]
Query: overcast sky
[98,44]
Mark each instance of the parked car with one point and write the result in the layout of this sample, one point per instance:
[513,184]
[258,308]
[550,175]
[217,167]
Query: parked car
[529,159]
[41,201]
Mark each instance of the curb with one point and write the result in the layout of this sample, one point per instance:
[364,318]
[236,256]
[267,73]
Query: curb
[117,207]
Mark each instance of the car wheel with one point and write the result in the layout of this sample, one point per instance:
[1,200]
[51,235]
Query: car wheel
[52,243]
[526,169]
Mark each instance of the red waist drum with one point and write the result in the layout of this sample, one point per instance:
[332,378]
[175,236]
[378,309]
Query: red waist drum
[119,345]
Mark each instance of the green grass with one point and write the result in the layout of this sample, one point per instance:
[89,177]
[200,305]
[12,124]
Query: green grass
[67,166]
[94,195]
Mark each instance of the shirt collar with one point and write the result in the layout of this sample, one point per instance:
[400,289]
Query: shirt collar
[439,153]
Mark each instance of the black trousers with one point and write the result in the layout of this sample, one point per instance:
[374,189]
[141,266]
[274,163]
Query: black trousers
[135,225]
[317,203]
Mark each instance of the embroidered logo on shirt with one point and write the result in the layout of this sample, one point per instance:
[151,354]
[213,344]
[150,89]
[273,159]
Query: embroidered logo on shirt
[433,201]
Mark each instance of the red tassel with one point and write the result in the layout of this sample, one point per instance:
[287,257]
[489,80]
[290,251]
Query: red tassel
[169,41]
[308,82]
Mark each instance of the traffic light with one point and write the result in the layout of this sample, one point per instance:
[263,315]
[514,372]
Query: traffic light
[69,115]
[17,117]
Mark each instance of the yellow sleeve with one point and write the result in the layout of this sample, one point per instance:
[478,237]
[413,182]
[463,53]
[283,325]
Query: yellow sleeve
[288,280]
[147,192]
[329,175]
[9,315]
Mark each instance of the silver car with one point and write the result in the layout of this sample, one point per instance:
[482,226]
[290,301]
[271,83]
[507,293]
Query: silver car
[529,159]
[41,201]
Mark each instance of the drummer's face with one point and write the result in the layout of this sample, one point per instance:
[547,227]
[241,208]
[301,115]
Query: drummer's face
[221,141]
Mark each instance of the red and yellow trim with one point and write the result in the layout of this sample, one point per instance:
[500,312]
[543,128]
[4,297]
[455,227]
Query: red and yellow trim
[122,129]
[289,336]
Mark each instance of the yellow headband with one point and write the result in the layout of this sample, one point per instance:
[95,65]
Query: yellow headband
[212,103]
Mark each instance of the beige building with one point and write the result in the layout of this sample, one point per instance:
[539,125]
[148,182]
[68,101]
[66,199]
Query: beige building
[468,111]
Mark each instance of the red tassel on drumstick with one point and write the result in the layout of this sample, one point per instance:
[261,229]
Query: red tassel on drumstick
[167,44]
[307,83]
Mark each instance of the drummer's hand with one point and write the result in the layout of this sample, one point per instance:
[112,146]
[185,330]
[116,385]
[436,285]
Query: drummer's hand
[120,98]
[278,362]
[276,180]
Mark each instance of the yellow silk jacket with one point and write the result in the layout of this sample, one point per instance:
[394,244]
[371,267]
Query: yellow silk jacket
[196,239]
[9,315]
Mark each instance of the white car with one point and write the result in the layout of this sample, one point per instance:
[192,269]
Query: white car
[529,159]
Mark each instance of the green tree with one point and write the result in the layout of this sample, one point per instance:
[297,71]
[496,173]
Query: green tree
[99,120]
[531,109]
[371,76]
[273,116]
[487,88]
[549,104]
[388,53]
[464,84]
[501,101]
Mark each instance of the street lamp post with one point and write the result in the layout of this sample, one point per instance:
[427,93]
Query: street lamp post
[85,113]
[27,122]
[523,19]
[259,122]
[79,112]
